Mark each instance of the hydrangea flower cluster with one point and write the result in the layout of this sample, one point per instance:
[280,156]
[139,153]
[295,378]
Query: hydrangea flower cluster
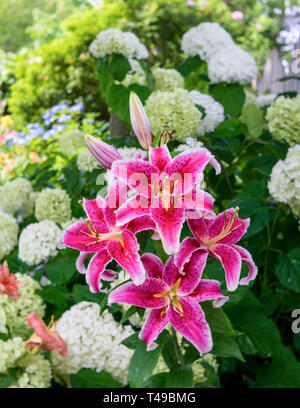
[115,41]
[226,62]
[284,119]
[39,241]
[15,197]
[71,142]
[284,184]
[93,342]
[16,311]
[167,79]
[34,369]
[191,144]
[213,115]
[177,110]
[167,195]
[53,204]
[86,161]
[9,230]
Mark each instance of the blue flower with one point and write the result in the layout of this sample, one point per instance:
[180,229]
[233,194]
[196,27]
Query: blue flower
[49,133]
[59,107]
[77,107]
[59,128]
[64,118]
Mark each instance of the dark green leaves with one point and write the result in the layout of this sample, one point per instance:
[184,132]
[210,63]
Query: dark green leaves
[180,377]
[82,293]
[61,270]
[231,96]
[189,65]
[119,66]
[229,128]
[57,295]
[253,117]
[288,269]
[86,378]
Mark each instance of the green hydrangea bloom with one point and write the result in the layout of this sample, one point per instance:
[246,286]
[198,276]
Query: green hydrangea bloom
[71,142]
[86,161]
[8,234]
[284,119]
[54,205]
[177,111]
[167,79]
[16,311]
[33,371]
[15,197]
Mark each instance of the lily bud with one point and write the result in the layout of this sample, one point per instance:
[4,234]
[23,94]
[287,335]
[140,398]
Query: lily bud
[139,121]
[104,153]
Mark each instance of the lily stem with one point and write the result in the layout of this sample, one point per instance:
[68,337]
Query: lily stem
[177,348]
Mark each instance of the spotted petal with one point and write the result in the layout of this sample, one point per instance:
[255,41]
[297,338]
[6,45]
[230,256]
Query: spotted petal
[153,265]
[192,272]
[96,269]
[187,247]
[154,325]
[237,229]
[209,290]
[160,156]
[94,209]
[78,236]
[246,256]
[232,262]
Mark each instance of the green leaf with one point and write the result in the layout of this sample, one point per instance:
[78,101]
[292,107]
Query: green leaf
[288,269]
[225,345]
[180,377]
[57,295]
[131,311]
[282,372]
[61,270]
[217,319]
[82,293]
[253,117]
[191,64]
[7,381]
[119,66]
[156,381]
[87,378]
[143,362]
[229,128]
[258,221]
[131,341]
[231,96]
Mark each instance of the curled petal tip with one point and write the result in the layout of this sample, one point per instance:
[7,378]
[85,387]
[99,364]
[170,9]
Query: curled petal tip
[139,121]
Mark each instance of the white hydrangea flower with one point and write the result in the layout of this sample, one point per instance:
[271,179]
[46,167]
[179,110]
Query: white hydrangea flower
[205,40]
[38,241]
[265,100]
[191,144]
[71,142]
[283,119]
[136,75]
[16,311]
[93,342]
[177,110]
[214,112]
[127,153]
[167,79]
[9,230]
[53,204]
[15,197]
[284,183]
[115,41]
[232,64]
[86,161]
[34,370]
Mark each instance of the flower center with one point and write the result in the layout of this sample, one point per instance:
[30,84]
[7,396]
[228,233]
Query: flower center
[165,189]
[114,234]
[172,295]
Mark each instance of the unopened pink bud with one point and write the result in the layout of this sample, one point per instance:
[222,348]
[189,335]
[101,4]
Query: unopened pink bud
[140,122]
[237,15]
[104,153]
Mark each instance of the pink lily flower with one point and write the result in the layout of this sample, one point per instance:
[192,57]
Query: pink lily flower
[139,121]
[45,336]
[104,153]
[100,235]
[173,298]
[218,237]
[166,190]
[9,285]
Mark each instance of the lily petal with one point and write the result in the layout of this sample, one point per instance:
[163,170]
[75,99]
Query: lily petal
[200,228]
[94,209]
[109,275]
[80,262]
[142,295]
[169,224]
[130,210]
[192,272]
[141,224]
[246,256]
[232,262]
[237,229]
[192,324]
[208,290]
[96,269]
[126,254]
[154,325]
[187,247]
[201,201]
[153,265]
[160,156]
[78,236]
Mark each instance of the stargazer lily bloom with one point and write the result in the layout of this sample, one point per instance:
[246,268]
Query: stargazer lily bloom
[166,190]
[9,285]
[45,337]
[100,235]
[139,121]
[174,298]
[218,237]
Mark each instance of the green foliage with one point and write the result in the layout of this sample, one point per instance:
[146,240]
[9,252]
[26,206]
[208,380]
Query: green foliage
[87,378]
